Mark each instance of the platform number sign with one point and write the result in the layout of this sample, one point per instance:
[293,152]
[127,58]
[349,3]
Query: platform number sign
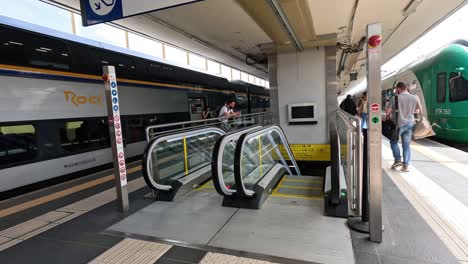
[115,125]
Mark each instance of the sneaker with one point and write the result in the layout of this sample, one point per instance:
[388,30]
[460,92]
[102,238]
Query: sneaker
[405,168]
[397,164]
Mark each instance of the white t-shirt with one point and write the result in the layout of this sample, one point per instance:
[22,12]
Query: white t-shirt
[222,113]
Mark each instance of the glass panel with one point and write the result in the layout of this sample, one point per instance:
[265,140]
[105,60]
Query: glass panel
[17,144]
[101,32]
[179,156]
[176,55]
[244,77]
[441,87]
[228,165]
[235,74]
[214,67]
[259,155]
[226,72]
[145,45]
[458,87]
[49,16]
[30,49]
[197,61]
[84,135]
[251,79]
[267,85]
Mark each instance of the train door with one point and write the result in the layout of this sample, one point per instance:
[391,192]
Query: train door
[196,105]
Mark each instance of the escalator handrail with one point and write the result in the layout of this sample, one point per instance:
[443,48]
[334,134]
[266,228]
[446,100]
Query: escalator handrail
[146,162]
[217,162]
[240,187]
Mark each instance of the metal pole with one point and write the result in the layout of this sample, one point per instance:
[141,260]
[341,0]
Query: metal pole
[115,132]
[374,57]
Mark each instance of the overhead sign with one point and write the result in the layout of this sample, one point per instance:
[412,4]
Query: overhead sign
[99,11]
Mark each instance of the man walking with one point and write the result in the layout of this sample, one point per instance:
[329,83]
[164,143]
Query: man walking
[407,106]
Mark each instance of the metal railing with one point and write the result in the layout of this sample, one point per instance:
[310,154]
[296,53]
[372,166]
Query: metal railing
[354,158]
[263,118]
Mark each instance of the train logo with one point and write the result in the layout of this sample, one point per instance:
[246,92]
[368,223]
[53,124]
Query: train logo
[102,7]
[80,100]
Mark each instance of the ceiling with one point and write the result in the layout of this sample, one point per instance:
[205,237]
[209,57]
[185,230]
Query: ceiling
[251,27]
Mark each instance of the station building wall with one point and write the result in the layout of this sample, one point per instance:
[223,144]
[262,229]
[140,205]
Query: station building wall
[301,79]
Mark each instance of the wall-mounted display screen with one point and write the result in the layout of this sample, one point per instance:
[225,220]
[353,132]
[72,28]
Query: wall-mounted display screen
[302,113]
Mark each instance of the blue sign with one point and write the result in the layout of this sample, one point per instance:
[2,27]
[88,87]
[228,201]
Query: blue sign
[99,11]
[116,108]
[114,100]
[113,84]
[114,92]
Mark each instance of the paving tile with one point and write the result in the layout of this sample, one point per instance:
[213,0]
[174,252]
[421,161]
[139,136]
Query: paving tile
[39,250]
[366,258]
[185,254]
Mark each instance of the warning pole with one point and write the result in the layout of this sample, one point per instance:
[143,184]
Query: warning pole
[374,137]
[115,132]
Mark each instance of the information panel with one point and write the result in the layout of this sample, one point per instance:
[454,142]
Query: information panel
[99,11]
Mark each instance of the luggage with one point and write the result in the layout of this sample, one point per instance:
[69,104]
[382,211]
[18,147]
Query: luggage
[390,130]
[389,127]
[423,129]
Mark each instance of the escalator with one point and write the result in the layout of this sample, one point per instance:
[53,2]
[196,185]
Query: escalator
[178,162]
[263,162]
[175,163]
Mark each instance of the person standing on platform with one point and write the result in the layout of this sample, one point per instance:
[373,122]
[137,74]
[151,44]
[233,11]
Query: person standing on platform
[362,110]
[226,112]
[206,114]
[348,105]
[407,105]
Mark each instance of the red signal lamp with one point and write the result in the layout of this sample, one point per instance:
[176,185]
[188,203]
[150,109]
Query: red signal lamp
[374,41]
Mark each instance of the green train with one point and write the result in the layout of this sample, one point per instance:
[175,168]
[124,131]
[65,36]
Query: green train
[441,83]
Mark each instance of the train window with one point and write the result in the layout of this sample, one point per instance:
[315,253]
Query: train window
[458,88]
[84,135]
[124,65]
[28,49]
[441,87]
[17,144]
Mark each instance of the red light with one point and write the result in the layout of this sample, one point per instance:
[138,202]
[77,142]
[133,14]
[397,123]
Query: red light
[374,41]
[105,77]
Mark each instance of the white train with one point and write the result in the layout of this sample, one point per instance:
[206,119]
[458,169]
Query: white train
[52,105]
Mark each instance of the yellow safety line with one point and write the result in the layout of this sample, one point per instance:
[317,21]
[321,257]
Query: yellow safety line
[308,181]
[309,197]
[57,195]
[205,185]
[185,156]
[279,184]
[299,187]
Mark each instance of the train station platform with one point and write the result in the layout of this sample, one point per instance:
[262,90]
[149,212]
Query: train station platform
[425,213]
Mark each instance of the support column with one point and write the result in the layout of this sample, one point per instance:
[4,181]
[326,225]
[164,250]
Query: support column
[273,79]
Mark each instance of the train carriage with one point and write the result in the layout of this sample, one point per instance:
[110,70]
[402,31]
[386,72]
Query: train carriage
[52,103]
[441,83]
